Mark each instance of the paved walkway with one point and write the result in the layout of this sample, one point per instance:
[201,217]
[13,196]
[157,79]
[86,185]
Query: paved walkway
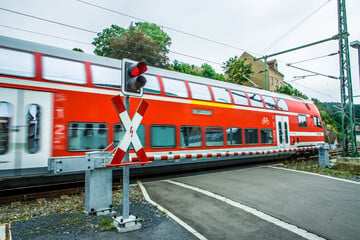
[262,203]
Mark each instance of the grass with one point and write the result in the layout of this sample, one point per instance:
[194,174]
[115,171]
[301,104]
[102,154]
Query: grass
[106,224]
[72,221]
[341,170]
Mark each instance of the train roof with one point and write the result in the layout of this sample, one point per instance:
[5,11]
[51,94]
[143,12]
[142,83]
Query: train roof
[116,63]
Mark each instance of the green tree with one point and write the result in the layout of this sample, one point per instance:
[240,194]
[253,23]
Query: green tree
[77,50]
[289,90]
[185,68]
[236,70]
[144,41]
[205,70]
[105,38]
[286,89]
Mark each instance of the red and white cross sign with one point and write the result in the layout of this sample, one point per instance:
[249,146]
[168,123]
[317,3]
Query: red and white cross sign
[130,135]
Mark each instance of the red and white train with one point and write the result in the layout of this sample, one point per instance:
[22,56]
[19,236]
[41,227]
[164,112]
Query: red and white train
[56,103]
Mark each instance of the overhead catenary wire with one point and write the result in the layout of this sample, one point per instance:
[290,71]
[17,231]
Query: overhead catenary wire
[316,58]
[90,31]
[44,34]
[163,26]
[313,90]
[295,27]
[73,40]
[47,20]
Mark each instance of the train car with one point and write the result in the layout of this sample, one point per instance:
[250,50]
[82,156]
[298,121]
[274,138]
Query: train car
[56,103]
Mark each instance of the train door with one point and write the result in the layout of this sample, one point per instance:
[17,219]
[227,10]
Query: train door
[282,129]
[25,124]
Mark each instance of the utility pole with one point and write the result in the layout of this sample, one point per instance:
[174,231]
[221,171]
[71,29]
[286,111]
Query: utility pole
[348,117]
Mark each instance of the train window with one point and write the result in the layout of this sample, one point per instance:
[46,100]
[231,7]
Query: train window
[191,136]
[17,63]
[163,136]
[317,122]
[221,95]
[234,136]
[175,88]
[200,91]
[266,136]
[255,100]
[105,76]
[251,136]
[85,136]
[282,104]
[302,121]
[62,70]
[5,118]
[240,98]
[152,84]
[33,117]
[214,136]
[119,133]
[269,102]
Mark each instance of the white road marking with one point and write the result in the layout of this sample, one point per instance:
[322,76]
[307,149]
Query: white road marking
[292,228]
[315,174]
[175,218]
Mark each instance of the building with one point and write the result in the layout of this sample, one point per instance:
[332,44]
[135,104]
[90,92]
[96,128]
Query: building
[275,79]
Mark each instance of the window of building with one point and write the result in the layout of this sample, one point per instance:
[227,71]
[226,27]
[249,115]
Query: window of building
[5,123]
[191,136]
[119,132]
[200,91]
[85,136]
[266,136]
[251,136]
[282,104]
[240,98]
[234,136]
[269,102]
[152,84]
[255,100]
[317,122]
[175,88]
[33,118]
[214,136]
[62,70]
[106,77]
[17,63]
[302,121]
[221,95]
[163,136]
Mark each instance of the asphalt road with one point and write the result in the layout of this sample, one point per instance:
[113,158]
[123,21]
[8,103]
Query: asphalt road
[326,207]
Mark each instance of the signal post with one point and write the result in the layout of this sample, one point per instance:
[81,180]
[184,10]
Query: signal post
[132,84]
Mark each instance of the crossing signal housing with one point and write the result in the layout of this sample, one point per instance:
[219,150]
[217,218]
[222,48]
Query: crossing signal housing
[132,79]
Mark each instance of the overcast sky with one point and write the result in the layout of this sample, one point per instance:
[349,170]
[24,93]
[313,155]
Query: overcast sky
[260,27]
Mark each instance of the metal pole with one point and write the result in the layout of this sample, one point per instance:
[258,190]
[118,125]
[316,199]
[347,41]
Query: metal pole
[265,72]
[126,172]
[359,61]
[348,117]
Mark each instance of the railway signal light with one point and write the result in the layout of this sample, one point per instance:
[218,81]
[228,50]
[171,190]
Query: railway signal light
[132,79]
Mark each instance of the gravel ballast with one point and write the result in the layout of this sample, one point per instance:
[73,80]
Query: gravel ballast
[63,218]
